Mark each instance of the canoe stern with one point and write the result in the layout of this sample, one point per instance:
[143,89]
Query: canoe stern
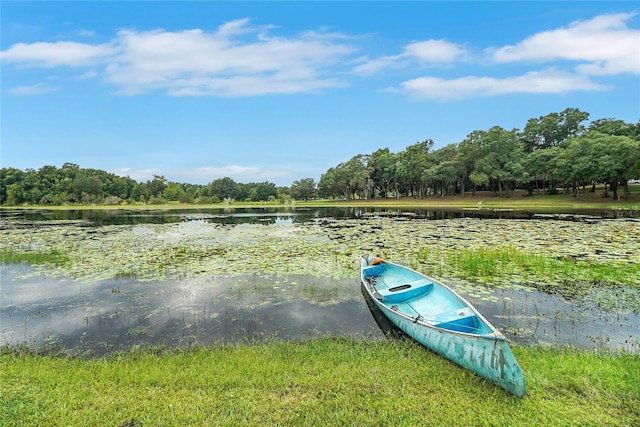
[489,355]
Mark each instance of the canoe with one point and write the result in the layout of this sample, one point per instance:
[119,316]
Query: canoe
[438,318]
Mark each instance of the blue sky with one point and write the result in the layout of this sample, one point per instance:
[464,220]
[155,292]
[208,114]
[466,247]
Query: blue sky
[280,91]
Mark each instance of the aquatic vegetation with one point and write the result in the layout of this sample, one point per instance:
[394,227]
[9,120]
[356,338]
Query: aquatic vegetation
[605,284]
[162,251]
[565,257]
[226,274]
[16,256]
[490,264]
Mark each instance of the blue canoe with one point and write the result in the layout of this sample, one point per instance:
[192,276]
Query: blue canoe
[441,320]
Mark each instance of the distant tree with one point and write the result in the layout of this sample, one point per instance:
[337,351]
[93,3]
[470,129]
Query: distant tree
[334,182]
[70,169]
[358,174]
[445,169]
[499,160]
[117,186]
[608,126]
[243,191]
[304,189]
[87,188]
[411,165]
[10,186]
[50,183]
[615,127]
[264,191]
[141,192]
[223,188]
[13,195]
[597,157]
[552,129]
[175,192]
[468,151]
[194,192]
[542,166]
[347,178]
[258,191]
[157,185]
[382,170]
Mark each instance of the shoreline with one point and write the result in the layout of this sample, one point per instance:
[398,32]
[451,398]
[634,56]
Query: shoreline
[519,200]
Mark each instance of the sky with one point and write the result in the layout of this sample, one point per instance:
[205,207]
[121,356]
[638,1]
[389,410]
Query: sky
[282,91]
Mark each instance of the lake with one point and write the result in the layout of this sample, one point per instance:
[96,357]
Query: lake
[175,278]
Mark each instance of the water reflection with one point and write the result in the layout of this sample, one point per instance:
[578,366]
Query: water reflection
[119,314]
[536,317]
[116,314]
[290,214]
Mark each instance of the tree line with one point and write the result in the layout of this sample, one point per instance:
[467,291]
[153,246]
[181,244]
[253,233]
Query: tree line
[71,184]
[552,152]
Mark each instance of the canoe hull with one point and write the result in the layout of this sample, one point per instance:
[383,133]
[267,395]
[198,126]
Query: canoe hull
[488,354]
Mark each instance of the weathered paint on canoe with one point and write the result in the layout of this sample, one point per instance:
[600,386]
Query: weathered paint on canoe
[441,320]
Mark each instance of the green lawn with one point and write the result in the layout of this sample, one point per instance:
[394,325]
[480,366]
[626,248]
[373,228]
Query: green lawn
[327,381]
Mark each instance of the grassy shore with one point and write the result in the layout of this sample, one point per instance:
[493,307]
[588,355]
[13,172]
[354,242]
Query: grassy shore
[480,200]
[517,200]
[326,381]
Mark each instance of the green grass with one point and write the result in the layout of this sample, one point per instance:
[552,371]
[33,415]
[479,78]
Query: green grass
[612,286]
[328,381]
[507,263]
[13,256]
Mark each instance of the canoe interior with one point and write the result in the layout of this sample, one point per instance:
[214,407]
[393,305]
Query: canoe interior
[418,296]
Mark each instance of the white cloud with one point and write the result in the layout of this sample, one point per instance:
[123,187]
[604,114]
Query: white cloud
[434,51]
[63,53]
[247,86]
[423,53]
[91,74]
[236,60]
[547,81]
[601,46]
[239,59]
[196,63]
[372,66]
[232,28]
[140,175]
[37,89]
[206,174]
[86,33]
[326,35]
[239,173]
[605,44]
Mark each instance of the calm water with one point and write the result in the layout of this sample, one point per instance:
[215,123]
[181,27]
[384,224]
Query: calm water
[117,314]
[270,215]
